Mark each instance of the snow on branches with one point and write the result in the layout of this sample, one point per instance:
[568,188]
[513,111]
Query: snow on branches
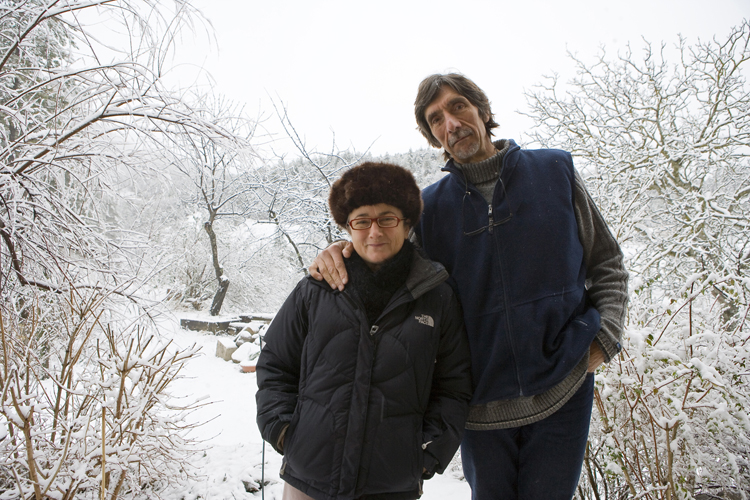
[666,149]
[89,399]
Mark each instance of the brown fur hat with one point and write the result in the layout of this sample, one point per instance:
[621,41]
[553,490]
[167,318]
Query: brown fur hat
[371,183]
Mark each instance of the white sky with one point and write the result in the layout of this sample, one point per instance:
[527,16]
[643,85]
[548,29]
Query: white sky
[352,68]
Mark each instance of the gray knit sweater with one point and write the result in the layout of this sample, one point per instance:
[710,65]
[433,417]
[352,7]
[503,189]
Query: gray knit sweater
[606,282]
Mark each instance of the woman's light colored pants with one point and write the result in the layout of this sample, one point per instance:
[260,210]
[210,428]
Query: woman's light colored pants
[292,493]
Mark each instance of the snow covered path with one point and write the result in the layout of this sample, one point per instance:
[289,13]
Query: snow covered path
[232,443]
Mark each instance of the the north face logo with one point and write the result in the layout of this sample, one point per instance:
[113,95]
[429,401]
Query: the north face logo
[425,320]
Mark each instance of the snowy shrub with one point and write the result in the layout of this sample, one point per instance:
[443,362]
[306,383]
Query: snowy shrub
[665,149]
[98,401]
[673,406]
[86,127]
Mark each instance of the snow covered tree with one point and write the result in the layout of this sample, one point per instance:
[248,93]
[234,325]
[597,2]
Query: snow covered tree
[424,163]
[75,130]
[221,175]
[83,120]
[666,149]
[294,195]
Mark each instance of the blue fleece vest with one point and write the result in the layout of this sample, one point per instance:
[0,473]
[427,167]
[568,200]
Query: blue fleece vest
[518,270]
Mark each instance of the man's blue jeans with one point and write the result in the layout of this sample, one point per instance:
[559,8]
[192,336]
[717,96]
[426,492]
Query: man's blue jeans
[539,461]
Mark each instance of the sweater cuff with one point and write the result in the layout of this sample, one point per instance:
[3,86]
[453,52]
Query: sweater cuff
[277,433]
[609,346]
[280,439]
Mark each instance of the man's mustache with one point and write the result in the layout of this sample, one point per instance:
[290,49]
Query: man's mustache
[458,135]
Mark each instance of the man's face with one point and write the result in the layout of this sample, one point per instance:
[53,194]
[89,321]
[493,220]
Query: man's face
[459,127]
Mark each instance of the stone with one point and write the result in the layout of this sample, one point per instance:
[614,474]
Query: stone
[212,326]
[244,335]
[245,352]
[225,348]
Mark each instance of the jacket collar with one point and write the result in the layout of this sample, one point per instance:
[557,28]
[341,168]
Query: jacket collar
[423,277]
[509,163]
[425,274]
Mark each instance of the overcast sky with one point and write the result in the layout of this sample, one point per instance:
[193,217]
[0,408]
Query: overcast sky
[351,68]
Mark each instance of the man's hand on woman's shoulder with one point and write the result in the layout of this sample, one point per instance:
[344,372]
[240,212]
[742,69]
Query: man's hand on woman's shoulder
[329,264]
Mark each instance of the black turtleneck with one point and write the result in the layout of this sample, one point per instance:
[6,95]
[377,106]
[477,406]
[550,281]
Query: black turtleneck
[375,288]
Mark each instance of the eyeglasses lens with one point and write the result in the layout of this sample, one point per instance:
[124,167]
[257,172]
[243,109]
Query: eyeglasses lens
[366,223]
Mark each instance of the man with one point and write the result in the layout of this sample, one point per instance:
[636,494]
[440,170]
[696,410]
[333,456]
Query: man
[543,288]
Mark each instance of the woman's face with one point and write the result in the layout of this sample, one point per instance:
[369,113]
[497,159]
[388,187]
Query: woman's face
[377,244]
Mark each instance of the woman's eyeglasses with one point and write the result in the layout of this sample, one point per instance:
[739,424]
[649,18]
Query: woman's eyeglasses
[366,222]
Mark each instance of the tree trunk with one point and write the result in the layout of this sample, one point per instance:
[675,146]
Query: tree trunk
[223,281]
[209,227]
[296,250]
[219,297]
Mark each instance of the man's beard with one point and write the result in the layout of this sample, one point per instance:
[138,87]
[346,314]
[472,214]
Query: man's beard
[465,153]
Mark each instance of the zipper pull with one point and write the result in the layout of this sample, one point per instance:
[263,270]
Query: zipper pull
[373,329]
[490,225]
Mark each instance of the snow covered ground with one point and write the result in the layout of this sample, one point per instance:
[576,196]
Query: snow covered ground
[230,437]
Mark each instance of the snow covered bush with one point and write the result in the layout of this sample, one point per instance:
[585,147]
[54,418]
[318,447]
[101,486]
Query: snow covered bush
[673,411]
[85,124]
[91,397]
[665,149]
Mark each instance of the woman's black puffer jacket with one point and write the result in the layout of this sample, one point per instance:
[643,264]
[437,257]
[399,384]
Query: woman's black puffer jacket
[368,406]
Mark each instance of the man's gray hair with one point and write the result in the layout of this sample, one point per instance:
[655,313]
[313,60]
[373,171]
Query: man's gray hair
[429,89]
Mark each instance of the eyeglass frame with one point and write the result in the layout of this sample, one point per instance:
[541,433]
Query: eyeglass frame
[377,220]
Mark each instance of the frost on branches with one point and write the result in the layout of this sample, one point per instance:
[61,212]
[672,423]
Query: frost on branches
[80,125]
[87,399]
[84,410]
[665,146]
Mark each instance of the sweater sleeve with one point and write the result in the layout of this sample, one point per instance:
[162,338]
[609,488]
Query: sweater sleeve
[606,276]
[278,367]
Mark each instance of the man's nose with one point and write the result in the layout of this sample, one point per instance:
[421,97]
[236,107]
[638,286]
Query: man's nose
[451,122]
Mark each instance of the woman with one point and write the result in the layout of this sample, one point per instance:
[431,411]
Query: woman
[365,391]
